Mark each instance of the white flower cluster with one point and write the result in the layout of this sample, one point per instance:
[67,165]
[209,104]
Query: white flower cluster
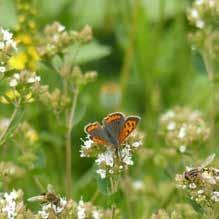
[7,46]
[197,13]
[55,39]
[8,204]
[17,79]
[215,196]
[109,160]
[201,184]
[181,127]
[6,41]
[86,210]
[57,209]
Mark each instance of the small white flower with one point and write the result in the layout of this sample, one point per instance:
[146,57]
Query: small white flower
[194,13]
[209,178]
[62,204]
[12,43]
[201,191]
[200,23]
[192,186]
[126,156]
[16,76]
[10,207]
[215,196]
[137,144]
[171,126]
[102,173]
[138,185]
[13,82]
[168,115]
[44,212]
[2,69]
[182,148]
[96,214]
[81,211]
[88,143]
[106,157]
[111,171]
[61,28]
[2,45]
[31,80]
[199,2]
[6,35]
[38,78]
[182,132]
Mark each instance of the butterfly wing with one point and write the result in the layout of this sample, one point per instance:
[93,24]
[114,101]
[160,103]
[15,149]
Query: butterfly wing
[97,133]
[128,127]
[113,124]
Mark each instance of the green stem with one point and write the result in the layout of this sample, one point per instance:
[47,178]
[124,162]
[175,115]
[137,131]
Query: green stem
[13,116]
[129,53]
[68,144]
[210,72]
[113,212]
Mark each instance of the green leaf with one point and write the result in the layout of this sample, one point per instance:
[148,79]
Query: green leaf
[87,53]
[57,63]
[196,206]
[13,125]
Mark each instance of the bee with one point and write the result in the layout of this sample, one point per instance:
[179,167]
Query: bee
[47,197]
[196,173]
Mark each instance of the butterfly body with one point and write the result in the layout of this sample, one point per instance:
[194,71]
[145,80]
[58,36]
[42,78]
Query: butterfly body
[114,130]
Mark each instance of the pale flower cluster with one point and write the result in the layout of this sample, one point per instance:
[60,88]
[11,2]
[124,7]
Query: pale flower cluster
[7,47]
[200,183]
[85,210]
[10,204]
[23,78]
[56,38]
[181,127]
[44,212]
[109,160]
[6,40]
[201,10]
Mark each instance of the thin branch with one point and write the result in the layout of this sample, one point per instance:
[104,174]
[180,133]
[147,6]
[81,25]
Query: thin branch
[13,116]
[69,145]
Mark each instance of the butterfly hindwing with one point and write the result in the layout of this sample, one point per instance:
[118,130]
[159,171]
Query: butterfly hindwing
[97,133]
[113,124]
[128,127]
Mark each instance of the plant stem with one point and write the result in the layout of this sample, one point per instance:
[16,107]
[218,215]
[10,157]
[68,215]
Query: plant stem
[13,116]
[129,53]
[68,144]
[113,212]
[210,72]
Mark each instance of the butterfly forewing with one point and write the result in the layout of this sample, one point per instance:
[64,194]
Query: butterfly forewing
[113,124]
[128,127]
[97,133]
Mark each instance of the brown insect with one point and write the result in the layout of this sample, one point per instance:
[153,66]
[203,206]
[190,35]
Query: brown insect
[196,173]
[47,197]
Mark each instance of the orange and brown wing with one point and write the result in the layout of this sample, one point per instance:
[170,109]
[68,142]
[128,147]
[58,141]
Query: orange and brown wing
[128,127]
[113,117]
[97,133]
[113,124]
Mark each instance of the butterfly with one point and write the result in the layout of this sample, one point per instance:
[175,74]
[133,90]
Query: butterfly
[114,130]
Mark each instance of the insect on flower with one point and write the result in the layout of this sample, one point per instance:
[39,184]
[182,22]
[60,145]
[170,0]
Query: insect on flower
[46,197]
[114,130]
[195,174]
